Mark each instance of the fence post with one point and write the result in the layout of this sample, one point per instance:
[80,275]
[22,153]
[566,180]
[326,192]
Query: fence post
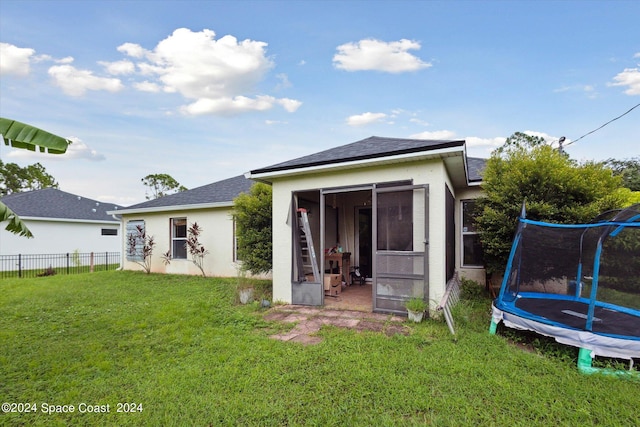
[91,263]
[67,262]
[106,261]
[19,265]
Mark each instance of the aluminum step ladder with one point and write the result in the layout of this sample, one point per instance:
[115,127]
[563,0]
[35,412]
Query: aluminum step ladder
[307,261]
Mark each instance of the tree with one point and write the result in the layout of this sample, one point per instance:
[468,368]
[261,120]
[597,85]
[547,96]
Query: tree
[628,169]
[554,187]
[252,213]
[161,184]
[195,248]
[15,179]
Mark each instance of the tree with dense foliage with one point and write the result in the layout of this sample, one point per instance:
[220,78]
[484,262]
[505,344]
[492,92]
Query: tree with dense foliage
[161,184]
[16,179]
[628,169]
[252,214]
[554,188]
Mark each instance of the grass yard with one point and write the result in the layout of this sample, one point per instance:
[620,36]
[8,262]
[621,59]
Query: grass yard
[177,351]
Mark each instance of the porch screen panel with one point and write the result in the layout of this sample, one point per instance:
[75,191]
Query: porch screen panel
[395,221]
[400,253]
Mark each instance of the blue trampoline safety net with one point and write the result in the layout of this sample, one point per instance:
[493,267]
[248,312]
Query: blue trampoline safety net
[580,277]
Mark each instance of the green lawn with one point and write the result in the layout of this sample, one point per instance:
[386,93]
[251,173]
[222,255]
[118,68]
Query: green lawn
[179,349]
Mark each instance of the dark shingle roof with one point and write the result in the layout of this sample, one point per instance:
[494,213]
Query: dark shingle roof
[369,148]
[475,167]
[217,192]
[54,203]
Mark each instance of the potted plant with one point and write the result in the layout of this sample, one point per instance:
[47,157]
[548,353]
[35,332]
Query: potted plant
[415,309]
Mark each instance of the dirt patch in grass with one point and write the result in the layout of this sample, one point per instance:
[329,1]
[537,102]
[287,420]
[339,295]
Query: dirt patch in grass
[368,325]
[392,330]
[309,321]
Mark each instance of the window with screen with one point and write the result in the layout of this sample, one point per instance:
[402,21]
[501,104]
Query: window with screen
[179,238]
[471,246]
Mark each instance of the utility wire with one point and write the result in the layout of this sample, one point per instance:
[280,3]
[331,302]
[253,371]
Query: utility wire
[612,120]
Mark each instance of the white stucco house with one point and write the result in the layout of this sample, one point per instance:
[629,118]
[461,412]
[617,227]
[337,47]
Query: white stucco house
[396,208]
[168,218]
[399,209]
[61,222]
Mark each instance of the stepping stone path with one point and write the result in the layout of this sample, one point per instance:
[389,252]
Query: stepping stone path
[309,320]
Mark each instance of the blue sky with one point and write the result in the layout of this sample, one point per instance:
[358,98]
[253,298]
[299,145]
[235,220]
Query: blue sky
[206,90]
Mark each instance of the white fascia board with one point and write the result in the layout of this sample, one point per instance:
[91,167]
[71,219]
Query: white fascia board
[172,208]
[434,154]
[83,221]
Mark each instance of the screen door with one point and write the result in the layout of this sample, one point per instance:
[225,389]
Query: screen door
[400,243]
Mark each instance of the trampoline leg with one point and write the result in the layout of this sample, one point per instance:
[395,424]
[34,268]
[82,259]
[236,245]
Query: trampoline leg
[584,366]
[493,328]
[584,362]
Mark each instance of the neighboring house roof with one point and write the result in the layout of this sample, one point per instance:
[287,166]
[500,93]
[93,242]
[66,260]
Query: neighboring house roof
[377,149]
[54,204]
[217,194]
[475,168]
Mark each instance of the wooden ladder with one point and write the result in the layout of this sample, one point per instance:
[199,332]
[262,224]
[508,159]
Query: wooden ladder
[307,254]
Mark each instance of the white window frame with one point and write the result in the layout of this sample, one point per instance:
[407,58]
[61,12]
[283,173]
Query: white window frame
[175,239]
[235,242]
[464,232]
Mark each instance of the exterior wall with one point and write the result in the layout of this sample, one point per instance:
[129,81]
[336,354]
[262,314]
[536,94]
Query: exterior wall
[473,273]
[424,172]
[55,237]
[217,237]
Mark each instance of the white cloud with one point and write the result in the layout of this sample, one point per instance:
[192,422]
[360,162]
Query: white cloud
[80,150]
[637,55]
[229,106]
[15,60]
[147,86]
[290,105]
[118,67]
[437,135]
[365,118]
[588,90]
[371,54]
[629,77]
[284,81]
[132,49]
[220,75]
[65,60]
[419,121]
[489,143]
[76,82]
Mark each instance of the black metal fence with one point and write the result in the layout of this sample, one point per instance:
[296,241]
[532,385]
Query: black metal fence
[35,265]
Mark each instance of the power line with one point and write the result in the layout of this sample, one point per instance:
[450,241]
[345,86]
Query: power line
[597,129]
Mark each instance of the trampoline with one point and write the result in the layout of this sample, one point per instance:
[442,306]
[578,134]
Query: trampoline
[576,283]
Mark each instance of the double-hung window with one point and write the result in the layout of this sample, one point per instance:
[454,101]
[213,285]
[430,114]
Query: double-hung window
[179,238]
[471,246]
